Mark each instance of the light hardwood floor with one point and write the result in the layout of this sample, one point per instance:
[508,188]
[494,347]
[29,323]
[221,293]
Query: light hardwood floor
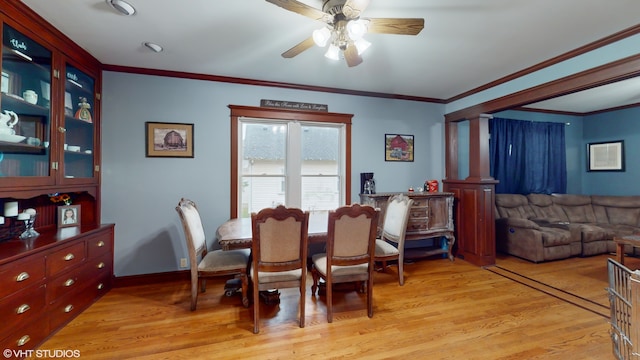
[445,310]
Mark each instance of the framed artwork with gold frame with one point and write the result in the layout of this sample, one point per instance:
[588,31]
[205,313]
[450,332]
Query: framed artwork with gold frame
[169,139]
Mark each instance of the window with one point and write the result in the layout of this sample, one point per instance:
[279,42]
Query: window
[295,158]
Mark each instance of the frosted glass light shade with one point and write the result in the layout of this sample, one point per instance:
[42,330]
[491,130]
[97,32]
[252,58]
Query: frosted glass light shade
[356,29]
[333,52]
[321,36]
[362,45]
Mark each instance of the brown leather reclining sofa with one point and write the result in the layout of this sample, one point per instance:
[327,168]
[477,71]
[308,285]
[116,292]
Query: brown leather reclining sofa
[541,227]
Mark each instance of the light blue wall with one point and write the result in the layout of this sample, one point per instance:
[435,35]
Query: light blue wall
[573,141]
[139,194]
[611,126]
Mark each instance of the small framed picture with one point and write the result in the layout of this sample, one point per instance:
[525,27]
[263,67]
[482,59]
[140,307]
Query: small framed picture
[169,140]
[398,147]
[605,156]
[69,215]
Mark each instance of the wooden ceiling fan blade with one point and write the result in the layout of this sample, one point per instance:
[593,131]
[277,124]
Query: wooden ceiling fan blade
[303,9]
[300,47]
[395,26]
[351,56]
[353,8]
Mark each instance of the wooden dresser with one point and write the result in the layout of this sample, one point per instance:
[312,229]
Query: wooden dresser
[47,281]
[431,216]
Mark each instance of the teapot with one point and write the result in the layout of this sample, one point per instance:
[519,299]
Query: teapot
[7,120]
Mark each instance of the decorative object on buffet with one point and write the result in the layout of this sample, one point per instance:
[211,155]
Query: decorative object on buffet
[8,119]
[69,215]
[11,209]
[431,185]
[29,218]
[83,112]
[367,183]
[60,198]
[10,221]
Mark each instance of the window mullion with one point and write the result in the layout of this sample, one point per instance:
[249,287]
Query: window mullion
[294,164]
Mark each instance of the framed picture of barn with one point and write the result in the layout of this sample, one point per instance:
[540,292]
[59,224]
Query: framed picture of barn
[398,147]
[169,139]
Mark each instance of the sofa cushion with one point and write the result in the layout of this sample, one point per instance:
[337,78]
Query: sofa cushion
[619,210]
[577,207]
[512,206]
[555,237]
[623,216]
[544,209]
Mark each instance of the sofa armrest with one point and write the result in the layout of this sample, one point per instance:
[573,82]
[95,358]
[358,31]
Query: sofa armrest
[518,223]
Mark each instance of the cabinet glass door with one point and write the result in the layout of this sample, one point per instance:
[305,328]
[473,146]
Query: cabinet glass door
[25,114]
[79,124]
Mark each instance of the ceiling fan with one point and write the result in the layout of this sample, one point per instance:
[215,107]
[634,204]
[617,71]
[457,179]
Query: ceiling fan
[345,28]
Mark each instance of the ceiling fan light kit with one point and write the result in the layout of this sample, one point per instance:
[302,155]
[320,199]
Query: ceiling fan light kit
[122,7]
[344,28]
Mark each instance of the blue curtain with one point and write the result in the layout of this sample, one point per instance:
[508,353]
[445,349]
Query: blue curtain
[528,156]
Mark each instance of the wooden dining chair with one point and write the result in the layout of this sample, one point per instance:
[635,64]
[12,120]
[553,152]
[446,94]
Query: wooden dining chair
[351,237]
[204,263]
[279,254]
[390,245]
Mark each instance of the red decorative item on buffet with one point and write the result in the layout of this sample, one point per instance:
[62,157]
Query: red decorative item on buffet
[432,185]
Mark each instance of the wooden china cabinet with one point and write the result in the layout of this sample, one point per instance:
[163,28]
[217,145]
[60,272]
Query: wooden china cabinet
[49,150]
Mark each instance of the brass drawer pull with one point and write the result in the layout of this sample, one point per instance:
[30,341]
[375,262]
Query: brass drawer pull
[100,265]
[100,243]
[23,340]
[69,257]
[69,282]
[22,276]
[100,286]
[22,309]
[68,308]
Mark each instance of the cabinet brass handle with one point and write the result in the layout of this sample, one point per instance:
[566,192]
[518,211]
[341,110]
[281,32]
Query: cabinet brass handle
[68,308]
[23,340]
[69,282]
[100,243]
[100,265]
[22,309]
[69,257]
[100,286]
[22,276]
[62,130]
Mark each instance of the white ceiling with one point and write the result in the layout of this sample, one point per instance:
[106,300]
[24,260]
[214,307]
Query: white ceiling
[465,43]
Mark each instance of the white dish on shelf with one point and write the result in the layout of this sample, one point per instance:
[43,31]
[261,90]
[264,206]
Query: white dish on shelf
[74,148]
[11,138]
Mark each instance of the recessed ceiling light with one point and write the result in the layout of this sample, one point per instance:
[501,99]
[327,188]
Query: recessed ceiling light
[122,7]
[154,47]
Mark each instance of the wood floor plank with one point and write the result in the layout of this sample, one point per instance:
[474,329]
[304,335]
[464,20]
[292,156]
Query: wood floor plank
[445,310]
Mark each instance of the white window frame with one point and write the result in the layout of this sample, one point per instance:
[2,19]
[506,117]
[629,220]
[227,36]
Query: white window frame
[293,164]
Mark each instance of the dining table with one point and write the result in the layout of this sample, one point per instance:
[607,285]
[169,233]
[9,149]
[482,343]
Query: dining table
[237,234]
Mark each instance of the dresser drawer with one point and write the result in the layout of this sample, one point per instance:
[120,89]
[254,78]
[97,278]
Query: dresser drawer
[418,213]
[21,274]
[27,337]
[99,245]
[414,226]
[65,258]
[20,308]
[419,201]
[69,306]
